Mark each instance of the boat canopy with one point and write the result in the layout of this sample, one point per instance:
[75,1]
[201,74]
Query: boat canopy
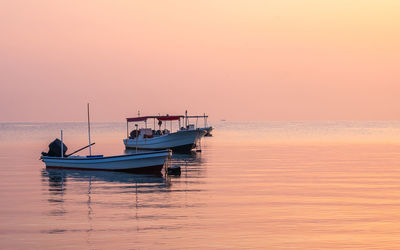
[158,117]
[170,118]
[138,119]
[197,116]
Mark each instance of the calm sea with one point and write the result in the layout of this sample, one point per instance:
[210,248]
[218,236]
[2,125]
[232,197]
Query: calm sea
[271,185]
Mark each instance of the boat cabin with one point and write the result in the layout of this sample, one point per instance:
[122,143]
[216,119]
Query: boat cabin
[159,127]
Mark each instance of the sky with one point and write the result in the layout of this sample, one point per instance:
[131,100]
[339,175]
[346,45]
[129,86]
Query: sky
[286,60]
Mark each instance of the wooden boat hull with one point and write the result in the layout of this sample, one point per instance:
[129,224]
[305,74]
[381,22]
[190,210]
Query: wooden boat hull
[181,141]
[147,162]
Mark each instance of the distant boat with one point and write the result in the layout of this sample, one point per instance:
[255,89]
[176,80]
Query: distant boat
[206,128]
[183,140]
[147,162]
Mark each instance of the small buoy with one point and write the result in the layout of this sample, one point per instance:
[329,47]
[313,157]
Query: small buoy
[174,170]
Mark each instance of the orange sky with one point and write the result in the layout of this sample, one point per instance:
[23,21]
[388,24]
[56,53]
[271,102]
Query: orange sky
[236,60]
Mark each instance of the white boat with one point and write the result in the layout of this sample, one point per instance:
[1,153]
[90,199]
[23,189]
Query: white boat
[144,162]
[145,138]
[206,128]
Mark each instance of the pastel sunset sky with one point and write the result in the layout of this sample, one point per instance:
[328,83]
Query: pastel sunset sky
[235,60]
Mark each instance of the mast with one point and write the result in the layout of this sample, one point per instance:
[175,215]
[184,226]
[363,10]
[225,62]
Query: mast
[88,120]
[186,119]
[62,145]
[127,129]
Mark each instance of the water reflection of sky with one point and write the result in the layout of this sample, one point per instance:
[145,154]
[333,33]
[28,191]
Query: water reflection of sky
[250,187]
[93,199]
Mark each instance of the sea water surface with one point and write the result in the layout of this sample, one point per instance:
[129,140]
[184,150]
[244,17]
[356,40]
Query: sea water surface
[265,185]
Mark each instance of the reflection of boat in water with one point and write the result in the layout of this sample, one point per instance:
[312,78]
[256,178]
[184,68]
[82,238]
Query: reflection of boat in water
[191,164]
[192,158]
[56,176]
[101,190]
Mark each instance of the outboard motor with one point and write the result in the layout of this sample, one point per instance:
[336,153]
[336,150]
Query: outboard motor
[55,149]
[133,134]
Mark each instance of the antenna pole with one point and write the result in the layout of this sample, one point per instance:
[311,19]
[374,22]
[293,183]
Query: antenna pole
[88,120]
[62,145]
[127,129]
[186,119]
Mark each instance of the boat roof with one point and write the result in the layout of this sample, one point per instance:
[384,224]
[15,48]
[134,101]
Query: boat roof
[158,117]
[197,116]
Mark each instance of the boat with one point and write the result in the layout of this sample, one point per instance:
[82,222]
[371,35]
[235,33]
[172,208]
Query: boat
[143,162]
[183,140]
[206,128]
